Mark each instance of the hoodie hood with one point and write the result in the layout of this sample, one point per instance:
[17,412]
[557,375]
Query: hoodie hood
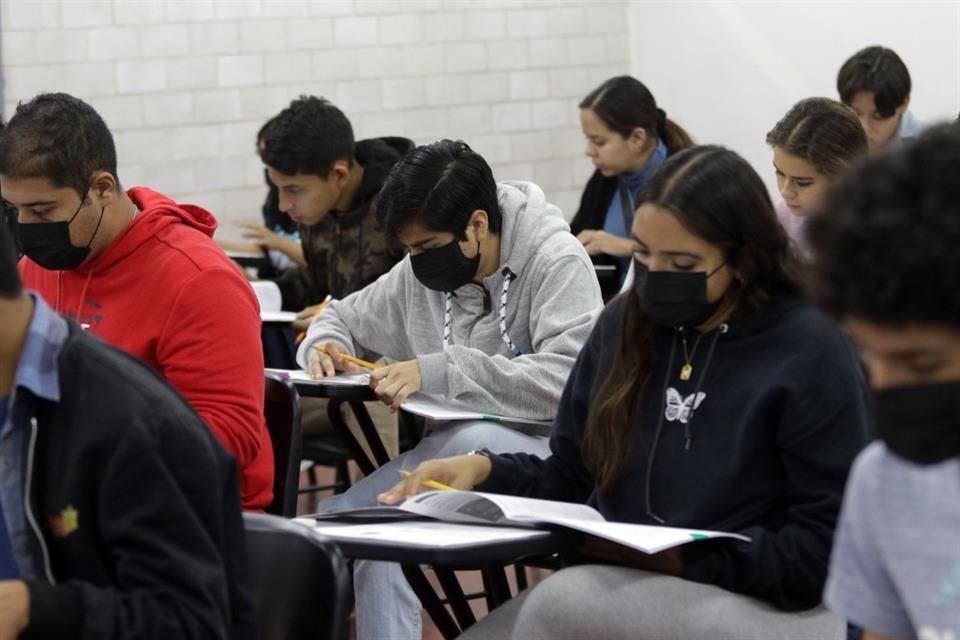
[377,156]
[504,346]
[529,222]
[155,213]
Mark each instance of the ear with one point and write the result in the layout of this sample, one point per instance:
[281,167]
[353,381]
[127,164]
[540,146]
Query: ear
[480,223]
[638,137]
[339,172]
[104,187]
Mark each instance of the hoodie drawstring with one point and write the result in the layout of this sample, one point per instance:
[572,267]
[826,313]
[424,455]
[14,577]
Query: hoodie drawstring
[660,413]
[83,293]
[687,434]
[656,432]
[508,277]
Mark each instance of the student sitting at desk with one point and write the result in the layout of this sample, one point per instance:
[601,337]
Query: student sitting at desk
[139,271]
[119,512]
[815,142]
[710,396]
[327,184]
[628,137]
[490,308]
[876,83]
[886,261]
[278,236]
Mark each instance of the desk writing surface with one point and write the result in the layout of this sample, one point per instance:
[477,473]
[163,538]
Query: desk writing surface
[286,317]
[245,255]
[442,543]
[301,378]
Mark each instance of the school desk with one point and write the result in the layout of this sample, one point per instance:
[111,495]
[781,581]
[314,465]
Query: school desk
[447,548]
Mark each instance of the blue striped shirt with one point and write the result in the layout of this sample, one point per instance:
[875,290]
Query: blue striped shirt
[38,373]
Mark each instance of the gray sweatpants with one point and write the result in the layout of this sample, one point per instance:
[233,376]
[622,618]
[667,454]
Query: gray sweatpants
[590,602]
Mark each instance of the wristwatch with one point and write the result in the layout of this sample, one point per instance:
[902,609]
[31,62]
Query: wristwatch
[479,452]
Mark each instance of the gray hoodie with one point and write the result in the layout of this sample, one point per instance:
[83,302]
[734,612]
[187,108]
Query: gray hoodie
[551,306]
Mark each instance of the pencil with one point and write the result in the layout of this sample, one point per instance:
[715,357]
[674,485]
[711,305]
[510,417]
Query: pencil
[349,358]
[433,484]
[323,305]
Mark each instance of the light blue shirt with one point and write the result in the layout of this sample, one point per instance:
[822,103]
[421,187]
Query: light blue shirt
[615,222]
[895,568]
[908,128]
[38,373]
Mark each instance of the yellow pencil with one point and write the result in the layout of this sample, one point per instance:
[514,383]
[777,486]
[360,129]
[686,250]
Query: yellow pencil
[433,484]
[323,305]
[349,358]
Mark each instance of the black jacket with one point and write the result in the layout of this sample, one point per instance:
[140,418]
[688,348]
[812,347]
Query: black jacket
[133,508]
[348,250]
[591,214]
[783,415]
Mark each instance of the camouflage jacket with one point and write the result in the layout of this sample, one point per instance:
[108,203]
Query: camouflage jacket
[348,250]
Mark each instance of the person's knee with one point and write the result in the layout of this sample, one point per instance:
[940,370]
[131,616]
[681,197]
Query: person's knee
[462,438]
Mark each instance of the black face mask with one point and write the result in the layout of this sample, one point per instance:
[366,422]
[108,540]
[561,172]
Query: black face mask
[48,243]
[445,268]
[920,423]
[674,298]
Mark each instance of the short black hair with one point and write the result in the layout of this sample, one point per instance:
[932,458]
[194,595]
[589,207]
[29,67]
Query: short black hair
[879,70]
[439,185]
[10,285]
[888,250]
[60,138]
[307,138]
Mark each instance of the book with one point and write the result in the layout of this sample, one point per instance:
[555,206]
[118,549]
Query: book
[476,508]
[444,409]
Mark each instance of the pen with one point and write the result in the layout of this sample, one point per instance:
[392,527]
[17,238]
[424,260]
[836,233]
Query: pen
[362,363]
[433,484]
[323,305]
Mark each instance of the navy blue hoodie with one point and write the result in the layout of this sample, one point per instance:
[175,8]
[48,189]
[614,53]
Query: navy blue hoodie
[780,414]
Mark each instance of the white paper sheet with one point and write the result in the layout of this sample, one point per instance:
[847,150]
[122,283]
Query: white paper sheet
[342,379]
[428,534]
[439,408]
[278,316]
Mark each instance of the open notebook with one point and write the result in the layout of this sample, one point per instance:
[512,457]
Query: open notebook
[475,508]
[421,404]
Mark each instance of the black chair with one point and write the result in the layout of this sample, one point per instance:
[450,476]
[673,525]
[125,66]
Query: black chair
[327,450]
[281,409]
[301,583]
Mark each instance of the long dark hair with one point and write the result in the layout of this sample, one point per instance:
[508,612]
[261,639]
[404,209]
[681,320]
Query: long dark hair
[624,103]
[716,195]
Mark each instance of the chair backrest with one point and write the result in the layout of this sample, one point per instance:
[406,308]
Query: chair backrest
[281,409]
[301,582]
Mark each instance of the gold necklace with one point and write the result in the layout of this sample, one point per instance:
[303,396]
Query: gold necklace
[687,370]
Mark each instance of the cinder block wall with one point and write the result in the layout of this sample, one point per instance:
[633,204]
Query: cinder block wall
[185,84]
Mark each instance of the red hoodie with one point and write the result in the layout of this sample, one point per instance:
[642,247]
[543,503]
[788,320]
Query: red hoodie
[164,291]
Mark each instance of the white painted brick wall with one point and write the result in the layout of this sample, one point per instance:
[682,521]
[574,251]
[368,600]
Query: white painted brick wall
[186,84]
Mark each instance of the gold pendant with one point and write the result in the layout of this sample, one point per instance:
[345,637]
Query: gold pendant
[686,372]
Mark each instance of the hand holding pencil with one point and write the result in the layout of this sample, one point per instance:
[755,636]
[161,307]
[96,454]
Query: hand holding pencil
[306,316]
[459,472]
[326,359]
